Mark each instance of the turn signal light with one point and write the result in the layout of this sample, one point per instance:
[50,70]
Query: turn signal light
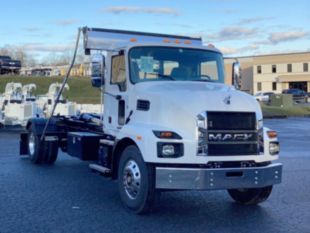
[167,135]
[272,134]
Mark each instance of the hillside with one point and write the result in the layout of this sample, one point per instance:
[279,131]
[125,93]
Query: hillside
[81,90]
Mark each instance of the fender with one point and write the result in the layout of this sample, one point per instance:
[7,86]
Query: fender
[38,124]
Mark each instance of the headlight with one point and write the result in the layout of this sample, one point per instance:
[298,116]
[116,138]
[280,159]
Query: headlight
[274,148]
[170,150]
[202,126]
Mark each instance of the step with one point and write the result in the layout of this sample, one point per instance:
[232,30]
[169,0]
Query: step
[101,169]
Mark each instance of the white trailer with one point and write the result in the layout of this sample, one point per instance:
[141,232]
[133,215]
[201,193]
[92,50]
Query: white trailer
[170,122]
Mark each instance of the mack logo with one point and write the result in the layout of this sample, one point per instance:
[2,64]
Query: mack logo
[215,137]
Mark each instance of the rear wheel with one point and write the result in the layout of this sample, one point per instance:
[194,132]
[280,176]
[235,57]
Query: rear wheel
[41,152]
[136,182]
[252,196]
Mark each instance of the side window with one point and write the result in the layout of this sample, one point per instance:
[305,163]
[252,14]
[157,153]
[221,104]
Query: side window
[119,72]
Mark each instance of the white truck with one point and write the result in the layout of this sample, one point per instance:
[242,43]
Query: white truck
[169,123]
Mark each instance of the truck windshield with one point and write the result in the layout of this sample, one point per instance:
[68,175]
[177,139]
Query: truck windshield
[172,63]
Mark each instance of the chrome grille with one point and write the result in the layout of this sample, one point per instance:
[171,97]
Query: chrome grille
[232,133]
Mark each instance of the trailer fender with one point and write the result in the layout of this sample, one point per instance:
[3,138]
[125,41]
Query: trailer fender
[38,124]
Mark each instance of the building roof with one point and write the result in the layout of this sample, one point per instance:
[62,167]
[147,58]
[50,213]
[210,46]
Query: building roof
[269,55]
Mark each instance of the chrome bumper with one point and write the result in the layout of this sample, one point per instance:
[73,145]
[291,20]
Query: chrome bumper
[218,178]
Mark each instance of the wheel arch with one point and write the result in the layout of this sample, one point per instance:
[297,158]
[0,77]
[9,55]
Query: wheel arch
[117,152]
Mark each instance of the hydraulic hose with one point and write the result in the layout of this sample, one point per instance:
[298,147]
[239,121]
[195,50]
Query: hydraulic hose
[63,83]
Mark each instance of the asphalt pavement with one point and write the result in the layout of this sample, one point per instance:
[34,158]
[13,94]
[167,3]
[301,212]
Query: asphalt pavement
[67,197]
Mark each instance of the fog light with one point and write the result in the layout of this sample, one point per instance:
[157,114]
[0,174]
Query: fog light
[274,148]
[168,150]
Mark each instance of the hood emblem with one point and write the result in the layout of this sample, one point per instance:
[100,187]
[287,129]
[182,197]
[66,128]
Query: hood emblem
[227,99]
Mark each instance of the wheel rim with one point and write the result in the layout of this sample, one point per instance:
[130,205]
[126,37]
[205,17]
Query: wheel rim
[31,144]
[131,179]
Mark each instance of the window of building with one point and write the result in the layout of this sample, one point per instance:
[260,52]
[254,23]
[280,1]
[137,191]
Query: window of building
[274,86]
[259,86]
[289,68]
[259,69]
[274,69]
[306,67]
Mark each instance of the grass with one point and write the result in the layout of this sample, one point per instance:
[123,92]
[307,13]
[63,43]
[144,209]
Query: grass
[285,111]
[81,90]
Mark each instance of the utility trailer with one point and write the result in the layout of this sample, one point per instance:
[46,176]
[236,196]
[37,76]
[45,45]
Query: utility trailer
[169,123]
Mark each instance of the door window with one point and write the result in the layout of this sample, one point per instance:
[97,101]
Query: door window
[119,72]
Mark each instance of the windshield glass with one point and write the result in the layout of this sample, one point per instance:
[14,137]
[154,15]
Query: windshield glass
[179,64]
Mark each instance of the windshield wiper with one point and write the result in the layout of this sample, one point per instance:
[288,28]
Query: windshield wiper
[161,75]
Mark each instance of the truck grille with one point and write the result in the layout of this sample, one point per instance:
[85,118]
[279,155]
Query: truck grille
[232,133]
[231,121]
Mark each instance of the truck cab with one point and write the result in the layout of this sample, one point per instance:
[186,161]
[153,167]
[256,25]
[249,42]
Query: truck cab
[169,122]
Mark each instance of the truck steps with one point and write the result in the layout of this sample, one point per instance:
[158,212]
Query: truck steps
[100,169]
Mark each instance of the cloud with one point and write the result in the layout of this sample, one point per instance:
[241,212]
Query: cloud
[278,37]
[32,29]
[232,33]
[254,20]
[66,22]
[230,50]
[40,47]
[145,10]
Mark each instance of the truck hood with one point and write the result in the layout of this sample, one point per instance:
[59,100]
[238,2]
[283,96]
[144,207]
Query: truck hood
[183,101]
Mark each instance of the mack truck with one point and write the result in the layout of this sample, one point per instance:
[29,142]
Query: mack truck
[169,122]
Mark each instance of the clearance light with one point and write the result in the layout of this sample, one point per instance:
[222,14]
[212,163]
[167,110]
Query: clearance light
[133,40]
[187,42]
[272,134]
[177,41]
[166,41]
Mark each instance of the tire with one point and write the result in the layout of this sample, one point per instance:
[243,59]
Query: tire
[136,182]
[251,196]
[41,152]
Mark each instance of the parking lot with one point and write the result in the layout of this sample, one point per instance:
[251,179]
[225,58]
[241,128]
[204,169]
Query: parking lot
[67,197]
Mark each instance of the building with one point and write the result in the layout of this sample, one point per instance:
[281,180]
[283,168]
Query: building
[272,73]
[48,71]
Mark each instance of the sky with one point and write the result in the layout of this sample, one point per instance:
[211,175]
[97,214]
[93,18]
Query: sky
[236,27]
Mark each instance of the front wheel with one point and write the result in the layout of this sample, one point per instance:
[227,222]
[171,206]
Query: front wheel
[251,196]
[136,182]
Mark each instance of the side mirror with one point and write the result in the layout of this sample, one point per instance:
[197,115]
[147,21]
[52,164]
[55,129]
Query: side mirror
[236,75]
[97,70]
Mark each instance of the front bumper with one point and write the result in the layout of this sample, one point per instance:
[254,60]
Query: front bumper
[218,178]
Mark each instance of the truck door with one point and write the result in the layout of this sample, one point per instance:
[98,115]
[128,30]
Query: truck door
[115,97]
